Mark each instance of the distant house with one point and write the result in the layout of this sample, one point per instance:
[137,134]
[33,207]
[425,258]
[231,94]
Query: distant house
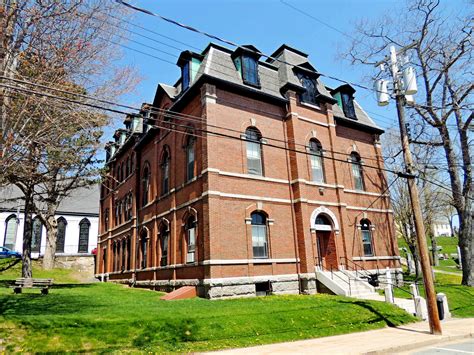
[77,216]
[441,228]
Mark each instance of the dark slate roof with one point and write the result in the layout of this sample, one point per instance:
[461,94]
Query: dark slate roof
[275,73]
[82,201]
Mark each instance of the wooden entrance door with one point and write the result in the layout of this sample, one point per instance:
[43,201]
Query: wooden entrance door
[327,249]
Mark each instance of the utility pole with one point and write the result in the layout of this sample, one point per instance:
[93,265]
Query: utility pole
[401,90]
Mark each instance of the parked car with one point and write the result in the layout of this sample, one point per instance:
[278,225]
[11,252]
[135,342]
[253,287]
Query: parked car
[7,253]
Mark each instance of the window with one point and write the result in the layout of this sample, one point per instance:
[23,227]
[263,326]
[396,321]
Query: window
[191,239]
[185,76]
[106,219]
[316,158]
[36,235]
[357,172]
[250,70]
[120,212]
[254,151]
[145,185]
[259,235]
[164,237]
[60,241]
[118,266]
[311,93]
[365,228]
[129,254]
[143,249]
[122,168]
[11,227]
[348,105]
[114,261]
[190,158]
[165,173]
[124,246]
[84,226]
[127,167]
[128,207]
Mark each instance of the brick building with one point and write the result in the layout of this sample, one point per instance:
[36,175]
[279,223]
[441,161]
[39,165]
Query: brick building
[247,175]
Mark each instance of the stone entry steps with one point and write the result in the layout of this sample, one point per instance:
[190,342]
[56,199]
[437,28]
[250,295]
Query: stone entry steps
[338,282]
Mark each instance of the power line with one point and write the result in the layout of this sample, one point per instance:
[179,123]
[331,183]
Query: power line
[211,132]
[173,114]
[184,126]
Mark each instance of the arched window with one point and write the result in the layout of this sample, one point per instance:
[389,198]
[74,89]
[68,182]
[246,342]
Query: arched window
[316,158]
[254,151]
[190,157]
[165,172]
[259,235]
[191,239]
[164,240]
[144,249]
[84,226]
[322,223]
[365,228]
[357,172]
[118,256]
[60,241]
[11,227]
[145,184]
[36,235]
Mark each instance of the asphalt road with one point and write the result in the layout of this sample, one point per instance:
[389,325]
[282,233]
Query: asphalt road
[459,348]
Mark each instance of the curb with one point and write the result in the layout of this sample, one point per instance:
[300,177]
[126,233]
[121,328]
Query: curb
[421,344]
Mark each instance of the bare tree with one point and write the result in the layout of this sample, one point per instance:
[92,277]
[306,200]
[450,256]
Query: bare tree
[443,58]
[54,56]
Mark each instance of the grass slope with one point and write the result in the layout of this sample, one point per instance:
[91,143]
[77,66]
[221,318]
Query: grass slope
[107,317]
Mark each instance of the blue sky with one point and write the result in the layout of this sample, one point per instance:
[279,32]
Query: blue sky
[265,24]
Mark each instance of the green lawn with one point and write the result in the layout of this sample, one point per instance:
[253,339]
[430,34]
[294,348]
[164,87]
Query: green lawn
[107,317]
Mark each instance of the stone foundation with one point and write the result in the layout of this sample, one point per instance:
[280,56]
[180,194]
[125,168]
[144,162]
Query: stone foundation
[82,263]
[231,287]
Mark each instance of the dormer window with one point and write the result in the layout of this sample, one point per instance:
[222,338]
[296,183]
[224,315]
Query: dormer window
[185,76]
[246,62]
[250,71]
[345,99]
[311,91]
[348,105]
[189,62]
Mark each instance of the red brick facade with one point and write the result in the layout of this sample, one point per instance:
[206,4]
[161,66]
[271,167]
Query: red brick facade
[222,195]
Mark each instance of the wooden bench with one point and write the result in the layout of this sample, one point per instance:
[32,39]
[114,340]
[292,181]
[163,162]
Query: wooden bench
[43,284]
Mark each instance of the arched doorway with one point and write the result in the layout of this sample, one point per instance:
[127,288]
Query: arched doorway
[326,227]
[326,243]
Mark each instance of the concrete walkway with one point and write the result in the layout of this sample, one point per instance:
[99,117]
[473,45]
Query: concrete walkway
[381,341]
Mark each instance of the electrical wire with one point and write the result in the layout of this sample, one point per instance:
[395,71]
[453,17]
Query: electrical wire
[169,113]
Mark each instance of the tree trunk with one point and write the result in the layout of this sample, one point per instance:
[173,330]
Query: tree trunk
[434,250]
[51,238]
[26,269]
[466,245]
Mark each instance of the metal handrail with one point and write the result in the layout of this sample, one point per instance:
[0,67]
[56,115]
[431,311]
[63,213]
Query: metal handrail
[401,289]
[357,267]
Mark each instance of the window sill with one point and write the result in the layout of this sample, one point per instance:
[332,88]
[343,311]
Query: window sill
[310,105]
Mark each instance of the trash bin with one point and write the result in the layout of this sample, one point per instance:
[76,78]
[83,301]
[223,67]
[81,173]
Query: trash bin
[439,302]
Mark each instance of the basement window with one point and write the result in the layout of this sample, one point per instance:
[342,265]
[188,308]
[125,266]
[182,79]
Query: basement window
[263,288]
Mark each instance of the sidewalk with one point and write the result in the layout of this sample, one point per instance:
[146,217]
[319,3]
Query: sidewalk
[381,341]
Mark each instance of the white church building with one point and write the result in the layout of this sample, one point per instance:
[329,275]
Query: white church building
[78,221]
